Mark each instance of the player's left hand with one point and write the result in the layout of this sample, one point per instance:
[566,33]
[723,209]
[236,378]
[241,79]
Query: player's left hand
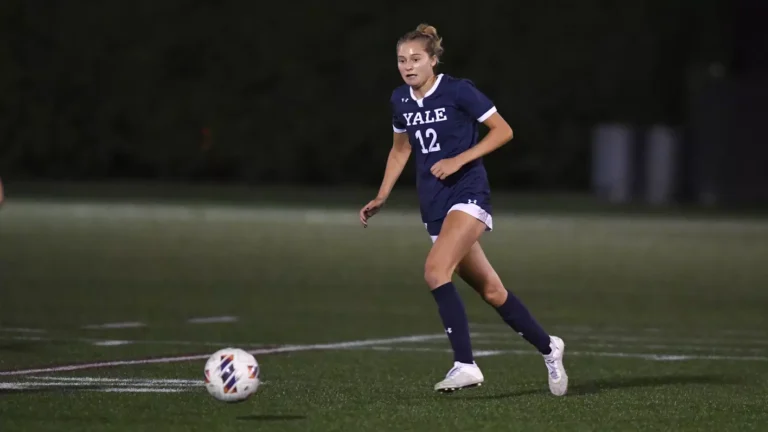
[445,167]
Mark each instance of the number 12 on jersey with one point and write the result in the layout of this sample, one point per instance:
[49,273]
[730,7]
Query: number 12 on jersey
[429,134]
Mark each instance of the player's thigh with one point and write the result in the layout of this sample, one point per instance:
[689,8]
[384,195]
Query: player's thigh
[477,271]
[457,235]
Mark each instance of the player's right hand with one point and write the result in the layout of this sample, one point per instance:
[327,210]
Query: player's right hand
[371,209]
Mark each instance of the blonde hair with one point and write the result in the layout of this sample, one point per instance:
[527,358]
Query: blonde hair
[433,44]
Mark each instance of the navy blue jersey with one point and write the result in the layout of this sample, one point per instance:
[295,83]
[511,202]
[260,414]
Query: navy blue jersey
[442,125]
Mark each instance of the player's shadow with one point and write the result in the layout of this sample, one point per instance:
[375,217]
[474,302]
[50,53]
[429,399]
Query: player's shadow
[271,417]
[600,385]
[592,387]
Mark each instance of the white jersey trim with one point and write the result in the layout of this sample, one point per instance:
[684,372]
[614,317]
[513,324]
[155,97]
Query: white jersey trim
[394,128]
[487,114]
[428,94]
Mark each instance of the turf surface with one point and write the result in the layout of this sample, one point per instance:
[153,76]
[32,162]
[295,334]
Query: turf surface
[664,320]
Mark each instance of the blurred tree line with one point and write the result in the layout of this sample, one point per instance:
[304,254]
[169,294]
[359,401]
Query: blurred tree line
[290,92]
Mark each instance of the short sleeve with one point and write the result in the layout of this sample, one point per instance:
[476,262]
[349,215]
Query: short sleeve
[473,101]
[397,123]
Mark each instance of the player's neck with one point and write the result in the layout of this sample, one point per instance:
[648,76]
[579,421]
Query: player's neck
[424,88]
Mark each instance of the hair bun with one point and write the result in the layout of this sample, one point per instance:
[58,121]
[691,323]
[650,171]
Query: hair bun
[427,30]
[427,35]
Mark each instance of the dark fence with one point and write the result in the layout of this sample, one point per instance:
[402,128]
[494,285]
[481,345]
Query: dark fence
[286,92]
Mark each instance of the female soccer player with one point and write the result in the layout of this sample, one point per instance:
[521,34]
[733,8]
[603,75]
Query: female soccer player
[437,117]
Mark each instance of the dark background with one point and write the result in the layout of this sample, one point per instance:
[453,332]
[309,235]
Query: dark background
[264,93]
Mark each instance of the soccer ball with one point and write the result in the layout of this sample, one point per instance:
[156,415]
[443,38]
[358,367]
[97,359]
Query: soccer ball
[231,375]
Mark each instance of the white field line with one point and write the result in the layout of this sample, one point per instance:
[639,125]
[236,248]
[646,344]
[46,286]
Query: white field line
[80,384]
[112,343]
[502,338]
[376,344]
[127,381]
[122,342]
[116,325]
[107,364]
[625,346]
[476,353]
[139,390]
[263,351]
[20,330]
[107,342]
[505,338]
[108,385]
[652,346]
[706,341]
[570,329]
[583,328]
[486,353]
[212,320]
[660,331]
[26,338]
[24,386]
[642,356]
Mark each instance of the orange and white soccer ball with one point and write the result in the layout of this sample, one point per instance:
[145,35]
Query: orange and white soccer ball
[231,375]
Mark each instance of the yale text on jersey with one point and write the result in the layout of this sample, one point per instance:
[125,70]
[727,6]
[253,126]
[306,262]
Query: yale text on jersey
[426,117]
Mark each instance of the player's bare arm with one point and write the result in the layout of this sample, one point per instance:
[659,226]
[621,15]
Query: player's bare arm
[398,157]
[499,133]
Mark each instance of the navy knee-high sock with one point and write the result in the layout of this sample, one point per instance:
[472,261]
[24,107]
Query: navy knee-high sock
[514,313]
[454,317]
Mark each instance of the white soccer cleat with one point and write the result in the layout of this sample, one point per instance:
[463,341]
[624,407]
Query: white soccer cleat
[558,379]
[461,376]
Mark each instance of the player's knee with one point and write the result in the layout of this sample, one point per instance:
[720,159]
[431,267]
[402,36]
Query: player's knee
[436,274]
[493,293]
[489,286]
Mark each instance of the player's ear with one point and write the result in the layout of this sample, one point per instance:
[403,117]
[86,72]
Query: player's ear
[433,61]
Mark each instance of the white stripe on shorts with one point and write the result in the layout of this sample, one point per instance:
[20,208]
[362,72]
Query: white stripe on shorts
[473,210]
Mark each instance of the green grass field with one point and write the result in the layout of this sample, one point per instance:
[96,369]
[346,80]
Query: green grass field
[665,320]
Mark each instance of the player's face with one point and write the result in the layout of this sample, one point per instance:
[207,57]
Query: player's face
[415,65]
